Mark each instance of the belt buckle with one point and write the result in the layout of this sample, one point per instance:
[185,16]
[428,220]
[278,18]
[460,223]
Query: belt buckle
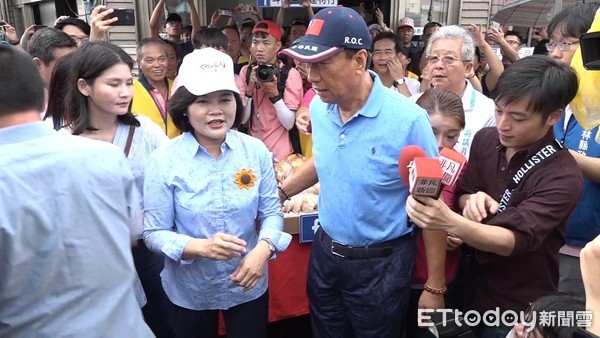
[333,246]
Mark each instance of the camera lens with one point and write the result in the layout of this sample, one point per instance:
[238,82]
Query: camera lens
[264,74]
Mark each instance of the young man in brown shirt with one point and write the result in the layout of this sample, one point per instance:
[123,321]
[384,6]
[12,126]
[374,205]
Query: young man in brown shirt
[516,194]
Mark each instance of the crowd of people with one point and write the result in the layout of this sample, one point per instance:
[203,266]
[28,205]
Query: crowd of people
[149,206]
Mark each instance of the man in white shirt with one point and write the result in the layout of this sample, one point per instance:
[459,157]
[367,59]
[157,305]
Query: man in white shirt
[449,55]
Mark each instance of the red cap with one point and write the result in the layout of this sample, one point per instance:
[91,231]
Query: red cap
[272,29]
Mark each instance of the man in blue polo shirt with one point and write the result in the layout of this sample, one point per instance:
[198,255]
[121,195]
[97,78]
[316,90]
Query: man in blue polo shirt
[584,224]
[361,261]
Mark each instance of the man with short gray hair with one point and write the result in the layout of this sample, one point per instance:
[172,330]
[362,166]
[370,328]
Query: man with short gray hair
[449,56]
[152,89]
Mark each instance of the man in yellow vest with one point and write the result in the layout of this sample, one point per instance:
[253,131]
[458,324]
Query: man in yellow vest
[152,88]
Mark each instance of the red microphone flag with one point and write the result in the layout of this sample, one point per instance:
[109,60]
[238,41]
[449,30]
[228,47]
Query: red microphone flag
[452,163]
[425,177]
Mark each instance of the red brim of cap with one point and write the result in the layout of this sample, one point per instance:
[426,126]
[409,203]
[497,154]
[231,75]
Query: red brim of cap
[310,56]
[266,30]
[405,25]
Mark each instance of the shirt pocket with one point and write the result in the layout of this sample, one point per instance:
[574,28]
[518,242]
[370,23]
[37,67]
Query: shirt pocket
[382,169]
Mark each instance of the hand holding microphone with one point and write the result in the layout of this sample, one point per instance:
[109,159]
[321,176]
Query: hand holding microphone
[426,178]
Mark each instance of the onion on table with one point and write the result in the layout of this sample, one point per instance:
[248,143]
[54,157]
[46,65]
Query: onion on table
[304,202]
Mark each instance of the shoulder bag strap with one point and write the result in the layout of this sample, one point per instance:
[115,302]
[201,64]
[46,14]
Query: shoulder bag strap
[530,164]
[129,140]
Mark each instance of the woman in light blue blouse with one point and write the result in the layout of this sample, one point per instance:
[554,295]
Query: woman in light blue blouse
[212,207]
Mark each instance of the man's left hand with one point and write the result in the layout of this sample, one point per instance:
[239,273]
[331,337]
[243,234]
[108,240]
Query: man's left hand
[269,88]
[395,67]
[430,214]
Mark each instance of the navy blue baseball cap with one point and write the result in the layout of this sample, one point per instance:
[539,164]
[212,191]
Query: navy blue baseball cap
[331,31]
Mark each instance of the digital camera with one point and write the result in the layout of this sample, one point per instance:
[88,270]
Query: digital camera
[266,73]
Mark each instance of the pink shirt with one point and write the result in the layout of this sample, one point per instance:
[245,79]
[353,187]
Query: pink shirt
[265,124]
[308,96]
[161,101]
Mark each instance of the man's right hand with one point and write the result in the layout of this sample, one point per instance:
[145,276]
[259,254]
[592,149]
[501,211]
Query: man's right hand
[496,35]
[303,120]
[100,22]
[479,206]
[252,82]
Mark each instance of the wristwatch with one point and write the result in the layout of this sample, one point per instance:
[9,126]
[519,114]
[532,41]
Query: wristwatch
[270,245]
[399,82]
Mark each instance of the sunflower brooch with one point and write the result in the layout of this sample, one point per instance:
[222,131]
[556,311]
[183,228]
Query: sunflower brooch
[245,178]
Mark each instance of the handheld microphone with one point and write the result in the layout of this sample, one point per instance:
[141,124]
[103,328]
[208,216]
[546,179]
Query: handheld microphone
[452,163]
[423,174]
[407,155]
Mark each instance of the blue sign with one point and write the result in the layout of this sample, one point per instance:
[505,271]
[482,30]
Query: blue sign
[309,224]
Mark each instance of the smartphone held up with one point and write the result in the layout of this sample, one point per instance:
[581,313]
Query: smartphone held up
[225,12]
[125,17]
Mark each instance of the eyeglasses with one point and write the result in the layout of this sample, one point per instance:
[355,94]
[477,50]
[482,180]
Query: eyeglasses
[80,39]
[512,42]
[562,46]
[446,59]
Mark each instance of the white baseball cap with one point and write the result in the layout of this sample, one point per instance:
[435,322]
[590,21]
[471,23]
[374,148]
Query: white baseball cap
[205,71]
[406,22]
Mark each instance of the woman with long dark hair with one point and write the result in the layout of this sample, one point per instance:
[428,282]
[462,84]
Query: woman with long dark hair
[98,106]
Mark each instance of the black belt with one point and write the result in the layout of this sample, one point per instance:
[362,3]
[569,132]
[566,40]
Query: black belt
[382,249]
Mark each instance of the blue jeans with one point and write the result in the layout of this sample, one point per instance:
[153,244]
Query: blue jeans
[359,297]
